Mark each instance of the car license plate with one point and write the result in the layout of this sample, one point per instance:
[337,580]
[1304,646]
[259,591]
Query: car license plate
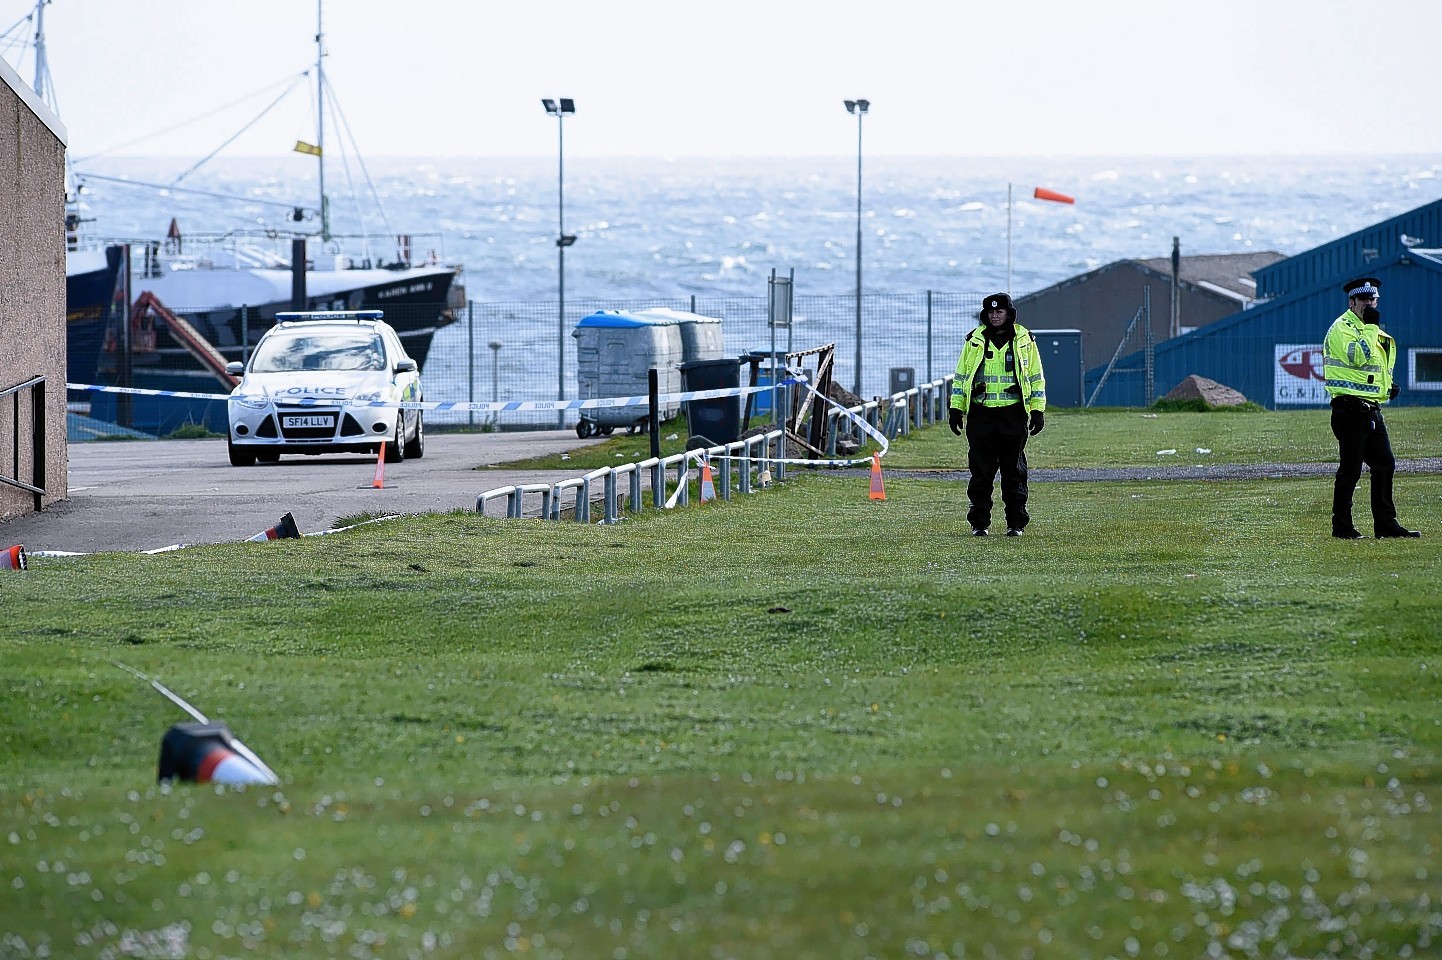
[296,422]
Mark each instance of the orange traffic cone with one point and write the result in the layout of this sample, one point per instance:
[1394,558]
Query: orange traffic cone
[878,492]
[708,485]
[380,480]
[285,530]
[12,558]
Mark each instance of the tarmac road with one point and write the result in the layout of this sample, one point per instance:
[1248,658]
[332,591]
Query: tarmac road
[146,494]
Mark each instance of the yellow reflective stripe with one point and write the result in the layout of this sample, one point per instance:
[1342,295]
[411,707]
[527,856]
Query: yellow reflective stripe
[1365,368]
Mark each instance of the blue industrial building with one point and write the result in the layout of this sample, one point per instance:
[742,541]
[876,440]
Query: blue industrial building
[1271,352]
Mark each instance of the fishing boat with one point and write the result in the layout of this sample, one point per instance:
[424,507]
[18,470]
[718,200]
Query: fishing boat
[226,287]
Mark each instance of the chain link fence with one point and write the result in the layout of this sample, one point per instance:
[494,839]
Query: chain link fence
[520,351]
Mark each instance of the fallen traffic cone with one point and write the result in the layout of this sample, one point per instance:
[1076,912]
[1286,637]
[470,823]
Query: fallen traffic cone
[208,753]
[878,492]
[12,558]
[708,485]
[379,482]
[285,530]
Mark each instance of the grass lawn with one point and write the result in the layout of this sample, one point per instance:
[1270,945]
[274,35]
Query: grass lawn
[1174,720]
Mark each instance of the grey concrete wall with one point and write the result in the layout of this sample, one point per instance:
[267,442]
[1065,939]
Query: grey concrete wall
[32,290]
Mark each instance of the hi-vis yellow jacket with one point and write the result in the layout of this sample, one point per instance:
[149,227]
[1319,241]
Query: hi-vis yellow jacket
[1027,373]
[1357,359]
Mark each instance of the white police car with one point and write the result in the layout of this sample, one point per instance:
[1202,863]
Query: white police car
[309,386]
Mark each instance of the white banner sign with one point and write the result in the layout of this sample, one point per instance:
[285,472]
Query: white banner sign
[1297,377]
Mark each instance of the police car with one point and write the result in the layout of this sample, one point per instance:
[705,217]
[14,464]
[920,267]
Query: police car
[310,385]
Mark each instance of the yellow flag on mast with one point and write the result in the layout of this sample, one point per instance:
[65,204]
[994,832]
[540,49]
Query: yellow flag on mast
[309,148]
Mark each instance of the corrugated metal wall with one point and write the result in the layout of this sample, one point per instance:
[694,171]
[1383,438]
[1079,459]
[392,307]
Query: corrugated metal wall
[1351,256]
[1242,352]
[1245,351]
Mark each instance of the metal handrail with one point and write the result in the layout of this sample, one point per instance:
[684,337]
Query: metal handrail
[913,408]
[36,487]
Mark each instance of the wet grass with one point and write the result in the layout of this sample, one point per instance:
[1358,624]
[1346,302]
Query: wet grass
[1175,719]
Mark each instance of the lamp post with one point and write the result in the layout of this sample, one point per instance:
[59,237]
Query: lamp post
[858,108]
[1008,239]
[495,346]
[559,109]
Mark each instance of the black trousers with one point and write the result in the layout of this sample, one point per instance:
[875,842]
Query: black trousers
[996,437]
[1362,438]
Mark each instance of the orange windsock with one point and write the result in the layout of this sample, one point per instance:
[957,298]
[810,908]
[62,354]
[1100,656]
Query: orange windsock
[1042,193]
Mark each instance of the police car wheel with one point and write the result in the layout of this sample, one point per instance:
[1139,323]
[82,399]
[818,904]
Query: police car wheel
[416,447]
[239,456]
[395,451]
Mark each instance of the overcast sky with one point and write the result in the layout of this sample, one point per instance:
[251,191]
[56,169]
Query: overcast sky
[747,77]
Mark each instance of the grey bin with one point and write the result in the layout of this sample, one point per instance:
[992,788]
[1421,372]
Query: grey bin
[701,337]
[615,352]
[716,421]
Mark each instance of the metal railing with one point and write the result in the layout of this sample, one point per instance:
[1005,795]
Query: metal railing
[36,486]
[745,466]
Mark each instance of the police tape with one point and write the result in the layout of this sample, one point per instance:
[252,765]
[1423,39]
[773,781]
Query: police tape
[799,377]
[503,406]
[862,426]
[795,377]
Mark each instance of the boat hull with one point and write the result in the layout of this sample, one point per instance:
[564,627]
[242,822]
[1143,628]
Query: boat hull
[89,286]
[417,302]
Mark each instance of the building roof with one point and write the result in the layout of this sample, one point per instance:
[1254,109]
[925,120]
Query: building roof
[1228,274]
[1224,275]
[31,99]
[1328,265]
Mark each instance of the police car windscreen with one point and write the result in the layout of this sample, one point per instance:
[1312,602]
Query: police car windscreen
[285,353]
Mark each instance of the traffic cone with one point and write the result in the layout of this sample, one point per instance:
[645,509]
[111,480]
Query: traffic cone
[708,485]
[878,492]
[207,753]
[285,530]
[380,481]
[12,558]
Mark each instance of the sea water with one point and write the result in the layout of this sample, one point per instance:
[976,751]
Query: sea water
[718,227]
[652,227]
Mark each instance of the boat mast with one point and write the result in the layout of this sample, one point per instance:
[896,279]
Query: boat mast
[320,117]
[43,89]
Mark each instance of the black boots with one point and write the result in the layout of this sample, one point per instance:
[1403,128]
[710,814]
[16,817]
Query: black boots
[1381,533]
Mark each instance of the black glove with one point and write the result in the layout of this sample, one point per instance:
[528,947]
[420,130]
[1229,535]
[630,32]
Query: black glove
[1392,394]
[955,419]
[1371,315]
[1037,422]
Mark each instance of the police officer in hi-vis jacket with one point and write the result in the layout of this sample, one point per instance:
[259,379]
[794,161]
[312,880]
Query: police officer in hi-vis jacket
[1357,362]
[999,399]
